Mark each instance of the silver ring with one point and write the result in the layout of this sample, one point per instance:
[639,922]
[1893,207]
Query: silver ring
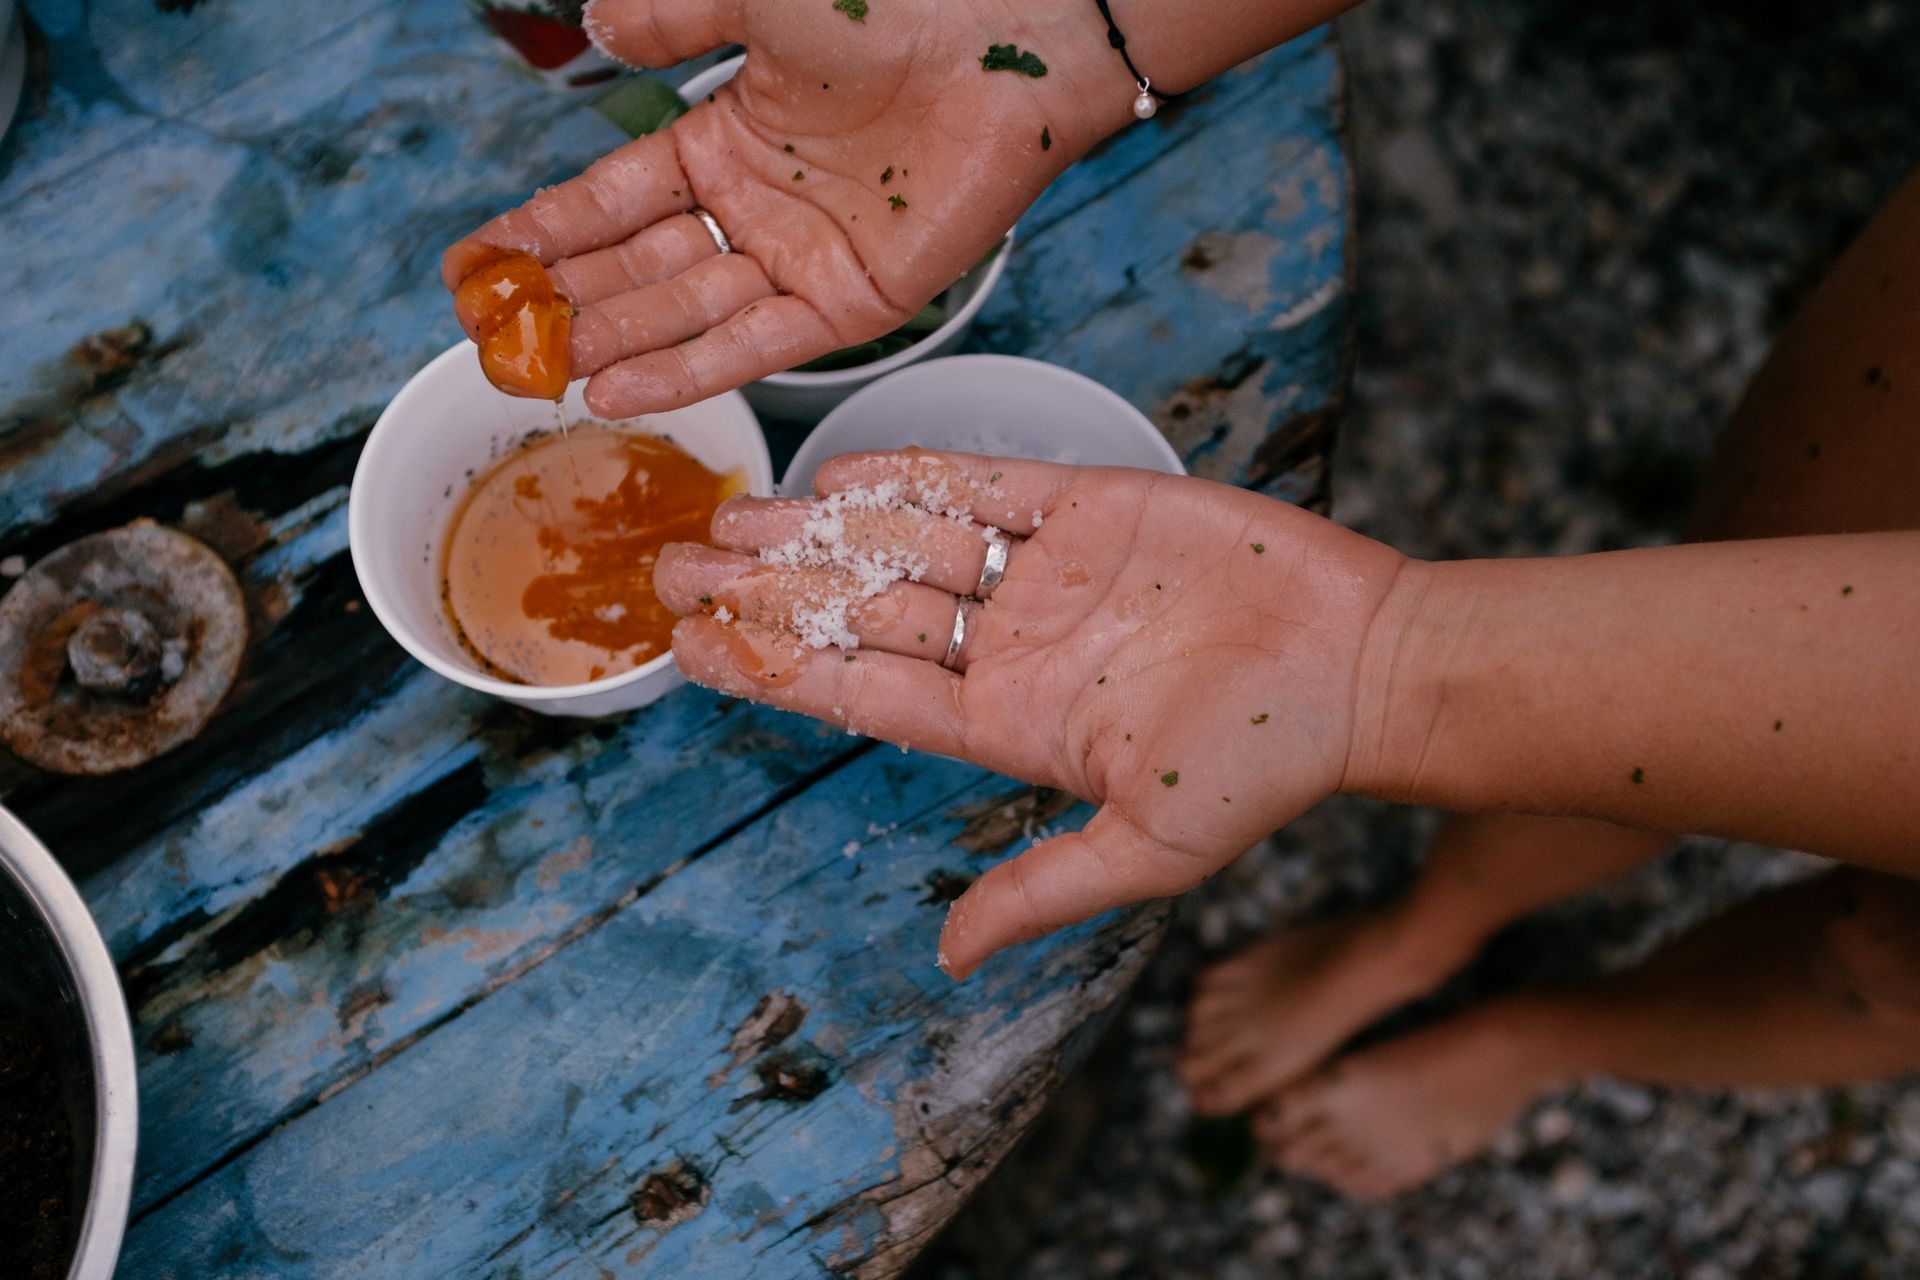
[959,636]
[998,545]
[712,225]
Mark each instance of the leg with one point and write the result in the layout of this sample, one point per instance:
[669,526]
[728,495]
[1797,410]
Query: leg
[1814,984]
[1822,442]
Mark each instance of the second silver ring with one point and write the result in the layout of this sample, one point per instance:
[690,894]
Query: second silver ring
[959,636]
[712,224]
[999,545]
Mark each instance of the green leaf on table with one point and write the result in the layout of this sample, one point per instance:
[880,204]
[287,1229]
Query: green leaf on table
[855,9]
[641,105]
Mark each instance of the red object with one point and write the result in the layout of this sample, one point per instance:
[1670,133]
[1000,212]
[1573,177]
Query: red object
[544,42]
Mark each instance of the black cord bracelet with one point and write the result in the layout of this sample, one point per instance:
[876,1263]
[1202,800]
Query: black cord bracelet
[1143,105]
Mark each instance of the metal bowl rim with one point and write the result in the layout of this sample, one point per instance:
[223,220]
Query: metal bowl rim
[109,1038]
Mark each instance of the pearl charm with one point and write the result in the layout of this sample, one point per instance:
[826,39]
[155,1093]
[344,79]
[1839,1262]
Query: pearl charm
[1144,106]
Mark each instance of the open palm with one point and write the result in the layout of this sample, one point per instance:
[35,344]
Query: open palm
[858,168]
[1180,652]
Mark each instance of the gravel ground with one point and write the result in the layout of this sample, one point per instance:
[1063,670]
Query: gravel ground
[1579,232]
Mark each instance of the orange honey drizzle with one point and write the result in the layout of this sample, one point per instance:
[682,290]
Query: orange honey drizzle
[548,573]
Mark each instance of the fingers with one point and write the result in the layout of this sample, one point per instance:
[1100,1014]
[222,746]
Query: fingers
[953,551]
[1059,882]
[883,695]
[658,253]
[659,33]
[906,618]
[1006,493]
[660,315]
[767,337]
[631,187]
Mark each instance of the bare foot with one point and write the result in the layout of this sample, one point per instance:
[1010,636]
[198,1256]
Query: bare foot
[1267,1015]
[1376,1123]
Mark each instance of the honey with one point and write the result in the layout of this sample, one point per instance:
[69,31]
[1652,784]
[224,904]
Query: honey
[548,570]
[524,327]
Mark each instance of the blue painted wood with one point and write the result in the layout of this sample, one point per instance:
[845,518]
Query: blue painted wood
[617,1059]
[425,986]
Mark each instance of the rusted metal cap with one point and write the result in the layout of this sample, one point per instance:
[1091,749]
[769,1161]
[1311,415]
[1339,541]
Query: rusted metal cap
[117,648]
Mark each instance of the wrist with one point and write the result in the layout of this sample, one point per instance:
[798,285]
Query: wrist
[1086,95]
[1407,657]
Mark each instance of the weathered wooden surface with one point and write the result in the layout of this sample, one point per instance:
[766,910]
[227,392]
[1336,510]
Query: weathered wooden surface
[427,986]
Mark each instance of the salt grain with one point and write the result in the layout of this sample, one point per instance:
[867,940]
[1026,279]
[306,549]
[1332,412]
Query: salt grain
[722,614]
[823,616]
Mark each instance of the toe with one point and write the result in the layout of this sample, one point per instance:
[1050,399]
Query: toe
[1253,1078]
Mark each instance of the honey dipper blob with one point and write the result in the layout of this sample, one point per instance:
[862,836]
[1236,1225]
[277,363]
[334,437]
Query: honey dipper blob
[523,325]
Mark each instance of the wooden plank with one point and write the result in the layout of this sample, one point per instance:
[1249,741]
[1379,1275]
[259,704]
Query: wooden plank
[1209,280]
[324,913]
[618,1059]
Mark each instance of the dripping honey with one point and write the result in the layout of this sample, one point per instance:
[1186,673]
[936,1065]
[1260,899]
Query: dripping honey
[547,575]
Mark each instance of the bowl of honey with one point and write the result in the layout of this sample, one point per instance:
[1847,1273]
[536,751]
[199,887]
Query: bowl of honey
[508,543]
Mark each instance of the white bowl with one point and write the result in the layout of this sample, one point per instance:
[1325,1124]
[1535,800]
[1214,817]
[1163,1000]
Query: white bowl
[446,425]
[1007,406]
[808,397]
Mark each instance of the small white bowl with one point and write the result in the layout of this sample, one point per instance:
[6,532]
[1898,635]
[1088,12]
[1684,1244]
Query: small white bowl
[447,425]
[808,397]
[1007,406]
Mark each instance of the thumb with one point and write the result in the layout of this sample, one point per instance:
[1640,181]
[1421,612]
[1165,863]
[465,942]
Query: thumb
[1059,882]
[659,33]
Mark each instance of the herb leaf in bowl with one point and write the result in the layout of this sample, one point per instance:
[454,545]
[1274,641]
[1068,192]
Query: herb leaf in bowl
[922,323]
[640,105]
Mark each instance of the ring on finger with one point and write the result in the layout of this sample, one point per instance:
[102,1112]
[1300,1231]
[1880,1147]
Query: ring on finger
[998,546]
[959,636]
[712,224]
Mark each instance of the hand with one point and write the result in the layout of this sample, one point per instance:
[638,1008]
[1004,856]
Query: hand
[857,167]
[1180,652]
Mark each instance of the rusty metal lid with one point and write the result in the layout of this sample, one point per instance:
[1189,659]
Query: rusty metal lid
[117,648]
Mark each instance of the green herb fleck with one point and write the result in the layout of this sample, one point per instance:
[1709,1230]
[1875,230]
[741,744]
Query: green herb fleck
[1226,799]
[1259,548]
[1639,775]
[1261,718]
[1777,724]
[798,174]
[855,9]
[1129,737]
[923,637]
[1016,633]
[1171,778]
[849,657]
[896,203]
[706,599]
[886,175]
[1046,139]
[788,148]
[1101,680]
[1847,590]
[992,478]
[1007,57]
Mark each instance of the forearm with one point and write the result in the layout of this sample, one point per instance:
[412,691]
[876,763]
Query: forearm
[1175,45]
[1762,690]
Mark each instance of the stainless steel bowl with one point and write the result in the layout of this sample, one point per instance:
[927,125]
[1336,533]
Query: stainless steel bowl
[55,966]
